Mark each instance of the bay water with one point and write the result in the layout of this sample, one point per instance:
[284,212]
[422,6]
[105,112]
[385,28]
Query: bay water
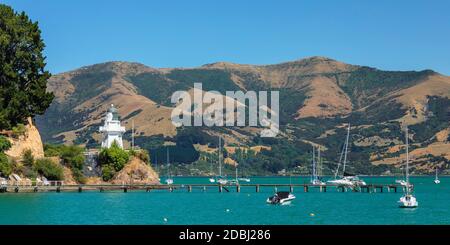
[246,207]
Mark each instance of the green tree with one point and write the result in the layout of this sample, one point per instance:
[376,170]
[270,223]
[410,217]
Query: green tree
[23,78]
[114,156]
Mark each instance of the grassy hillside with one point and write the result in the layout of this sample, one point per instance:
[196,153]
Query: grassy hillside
[318,97]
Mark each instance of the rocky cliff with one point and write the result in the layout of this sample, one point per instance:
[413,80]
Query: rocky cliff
[30,140]
[136,172]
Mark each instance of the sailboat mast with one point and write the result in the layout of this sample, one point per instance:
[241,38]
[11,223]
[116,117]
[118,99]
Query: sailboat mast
[132,134]
[319,163]
[168,162]
[346,148]
[220,153]
[436,176]
[313,176]
[407,158]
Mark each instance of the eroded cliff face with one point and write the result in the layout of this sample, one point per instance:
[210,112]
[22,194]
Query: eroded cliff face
[31,140]
[136,171]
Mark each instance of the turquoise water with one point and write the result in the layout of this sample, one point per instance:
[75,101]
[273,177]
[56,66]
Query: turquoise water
[212,207]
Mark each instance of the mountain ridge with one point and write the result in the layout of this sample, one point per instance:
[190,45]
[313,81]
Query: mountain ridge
[314,91]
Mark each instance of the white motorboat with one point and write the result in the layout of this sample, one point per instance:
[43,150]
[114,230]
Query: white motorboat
[408,200]
[281,197]
[212,180]
[436,179]
[345,179]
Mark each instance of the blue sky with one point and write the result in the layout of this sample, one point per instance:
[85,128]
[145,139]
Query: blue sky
[390,35]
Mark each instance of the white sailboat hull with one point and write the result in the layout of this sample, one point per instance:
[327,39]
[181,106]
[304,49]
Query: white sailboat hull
[408,201]
[436,181]
[318,182]
[222,181]
[244,179]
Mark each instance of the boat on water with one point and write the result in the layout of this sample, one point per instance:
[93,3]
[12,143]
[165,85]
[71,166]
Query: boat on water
[346,179]
[219,179]
[401,182]
[281,197]
[316,168]
[408,200]
[169,179]
[436,178]
[244,179]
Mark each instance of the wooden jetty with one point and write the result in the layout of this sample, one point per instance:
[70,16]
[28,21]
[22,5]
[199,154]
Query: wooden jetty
[369,188]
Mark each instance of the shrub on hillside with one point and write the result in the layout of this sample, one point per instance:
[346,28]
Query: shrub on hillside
[4,144]
[114,156]
[18,130]
[72,157]
[27,158]
[49,169]
[5,165]
[141,154]
[108,172]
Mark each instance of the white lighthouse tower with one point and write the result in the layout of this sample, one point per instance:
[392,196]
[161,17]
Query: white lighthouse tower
[111,129]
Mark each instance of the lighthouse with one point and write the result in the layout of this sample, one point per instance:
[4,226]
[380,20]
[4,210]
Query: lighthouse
[111,129]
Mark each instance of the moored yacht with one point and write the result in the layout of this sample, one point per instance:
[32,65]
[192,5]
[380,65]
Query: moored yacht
[169,179]
[316,168]
[346,179]
[408,200]
[436,179]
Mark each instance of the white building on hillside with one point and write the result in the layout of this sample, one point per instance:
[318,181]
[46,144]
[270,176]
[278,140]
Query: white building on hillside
[111,129]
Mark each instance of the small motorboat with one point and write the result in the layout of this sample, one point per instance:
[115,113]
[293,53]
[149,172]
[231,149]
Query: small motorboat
[212,180]
[169,181]
[281,197]
[408,201]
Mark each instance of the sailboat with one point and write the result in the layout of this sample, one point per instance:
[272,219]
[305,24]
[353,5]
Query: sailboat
[236,180]
[408,200]
[436,179]
[402,182]
[316,168]
[169,179]
[212,179]
[156,165]
[220,179]
[345,179]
